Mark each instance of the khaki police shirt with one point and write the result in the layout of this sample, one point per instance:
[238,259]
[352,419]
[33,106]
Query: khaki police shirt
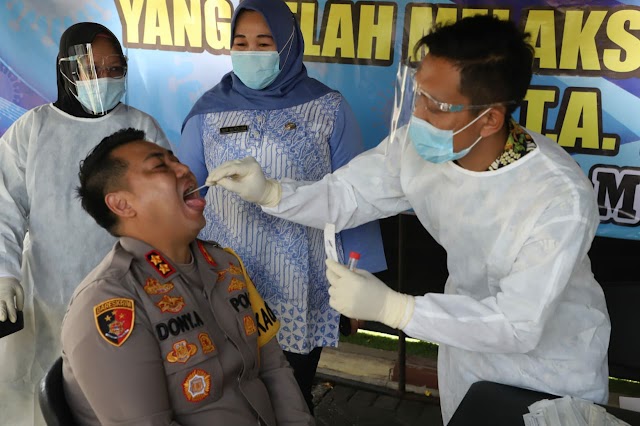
[143,344]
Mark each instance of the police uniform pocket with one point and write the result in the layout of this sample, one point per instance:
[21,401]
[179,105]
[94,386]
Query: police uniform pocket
[239,301]
[245,324]
[242,310]
[191,363]
[192,375]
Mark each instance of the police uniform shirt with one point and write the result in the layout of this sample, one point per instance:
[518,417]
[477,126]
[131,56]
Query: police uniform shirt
[145,344]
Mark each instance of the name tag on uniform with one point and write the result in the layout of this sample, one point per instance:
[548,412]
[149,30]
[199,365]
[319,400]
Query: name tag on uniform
[234,129]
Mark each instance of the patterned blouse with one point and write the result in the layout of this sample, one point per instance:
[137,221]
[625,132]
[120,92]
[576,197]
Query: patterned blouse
[285,260]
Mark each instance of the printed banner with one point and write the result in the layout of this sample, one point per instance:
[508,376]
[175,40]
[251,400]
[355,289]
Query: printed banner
[584,94]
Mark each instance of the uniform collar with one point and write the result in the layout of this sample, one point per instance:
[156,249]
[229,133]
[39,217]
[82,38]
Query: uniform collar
[199,249]
[162,268]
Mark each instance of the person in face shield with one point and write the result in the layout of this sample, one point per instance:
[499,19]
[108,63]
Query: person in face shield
[513,210]
[296,127]
[175,325]
[39,155]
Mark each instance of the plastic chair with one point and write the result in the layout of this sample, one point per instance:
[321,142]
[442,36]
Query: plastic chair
[53,404]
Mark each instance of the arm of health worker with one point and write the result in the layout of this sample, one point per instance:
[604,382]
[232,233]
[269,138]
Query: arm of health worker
[345,143]
[14,198]
[514,320]
[511,322]
[367,188]
[14,213]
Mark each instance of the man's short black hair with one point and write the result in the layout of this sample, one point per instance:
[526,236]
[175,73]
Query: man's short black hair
[100,173]
[494,57]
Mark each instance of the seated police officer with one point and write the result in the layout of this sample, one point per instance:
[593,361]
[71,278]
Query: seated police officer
[167,329]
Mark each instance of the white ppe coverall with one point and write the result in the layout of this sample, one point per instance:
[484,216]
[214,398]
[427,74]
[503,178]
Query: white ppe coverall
[39,163]
[521,305]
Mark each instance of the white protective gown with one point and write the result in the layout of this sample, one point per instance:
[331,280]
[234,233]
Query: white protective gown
[39,163]
[521,305]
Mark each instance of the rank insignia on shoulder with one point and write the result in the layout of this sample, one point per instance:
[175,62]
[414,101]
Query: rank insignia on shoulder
[206,343]
[171,304]
[197,385]
[206,254]
[235,269]
[115,320]
[236,285]
[159,263]
[249,325]
[153,286]
[182,351]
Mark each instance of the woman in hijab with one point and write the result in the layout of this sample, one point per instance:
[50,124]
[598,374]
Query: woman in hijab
[39,158]
[296,127]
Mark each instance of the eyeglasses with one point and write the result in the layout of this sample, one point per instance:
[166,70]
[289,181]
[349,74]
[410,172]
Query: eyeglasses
[113,71]
[425,101]
[85,67]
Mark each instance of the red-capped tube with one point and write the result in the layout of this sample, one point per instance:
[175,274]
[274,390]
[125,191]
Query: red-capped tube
[354,256]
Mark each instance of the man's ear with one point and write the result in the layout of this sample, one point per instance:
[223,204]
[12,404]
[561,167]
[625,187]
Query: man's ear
[118,203]
[493,121]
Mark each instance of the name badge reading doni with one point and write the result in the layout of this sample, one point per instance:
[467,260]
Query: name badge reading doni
[234,129]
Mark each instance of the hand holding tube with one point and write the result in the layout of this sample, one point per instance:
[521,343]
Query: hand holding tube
[245,178]
[354,257]
[359,294]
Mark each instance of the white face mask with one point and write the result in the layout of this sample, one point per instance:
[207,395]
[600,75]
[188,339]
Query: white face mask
[436,145]
[100,95]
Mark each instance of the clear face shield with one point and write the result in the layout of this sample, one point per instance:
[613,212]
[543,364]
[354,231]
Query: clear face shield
[403,105]
[412,102]
[99,80]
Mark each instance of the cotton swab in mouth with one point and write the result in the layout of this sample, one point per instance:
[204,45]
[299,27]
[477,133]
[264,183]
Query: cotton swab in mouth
[197,189]
[205,185]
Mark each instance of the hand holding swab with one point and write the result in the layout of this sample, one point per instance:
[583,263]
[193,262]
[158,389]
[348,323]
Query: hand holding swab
[197,189]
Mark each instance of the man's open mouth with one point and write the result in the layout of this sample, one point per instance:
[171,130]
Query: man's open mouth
[189,193]
[192,198]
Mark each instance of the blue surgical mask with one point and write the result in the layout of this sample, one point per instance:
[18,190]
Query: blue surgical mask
[436,145]
[256,69]
[100,95]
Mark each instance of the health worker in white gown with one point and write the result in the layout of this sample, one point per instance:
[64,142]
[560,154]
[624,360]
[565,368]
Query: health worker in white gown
[513,210]
[39,158]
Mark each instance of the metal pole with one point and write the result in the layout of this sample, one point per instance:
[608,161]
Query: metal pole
[402,343]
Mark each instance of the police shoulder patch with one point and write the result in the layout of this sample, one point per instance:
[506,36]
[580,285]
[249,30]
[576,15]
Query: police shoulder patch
[115,319]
